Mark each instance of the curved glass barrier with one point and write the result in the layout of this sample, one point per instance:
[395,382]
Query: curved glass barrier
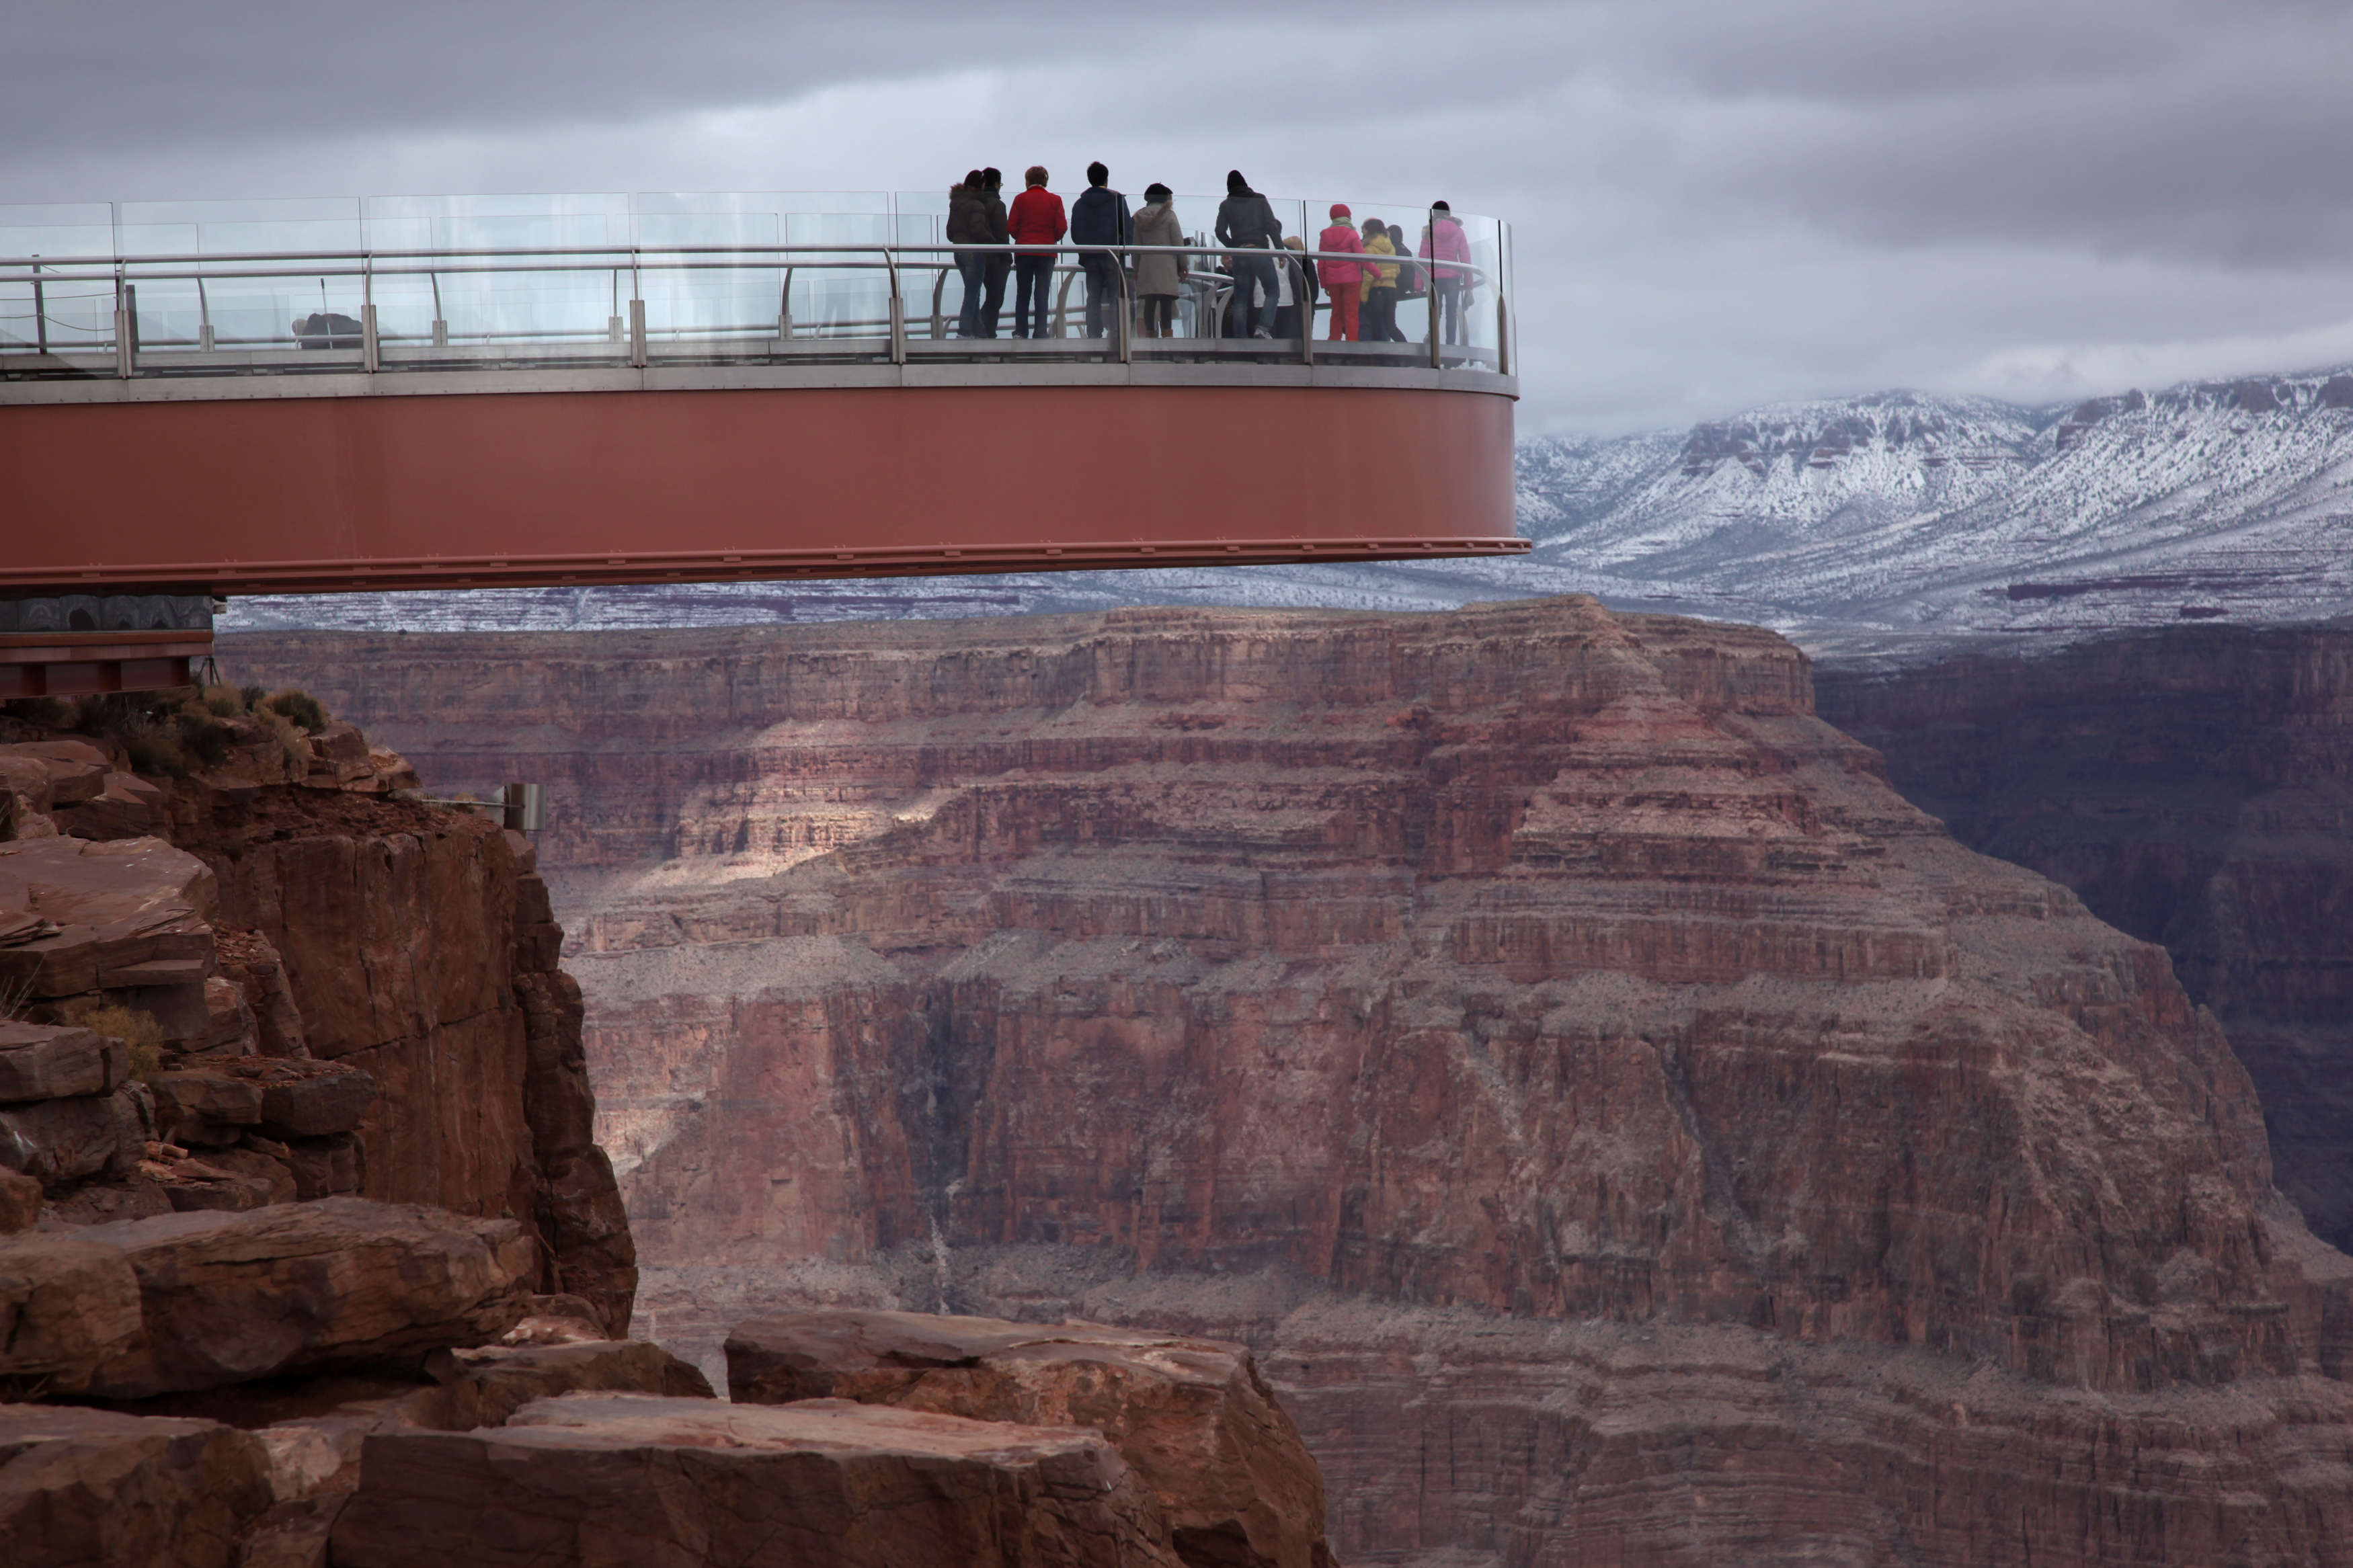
[390,283]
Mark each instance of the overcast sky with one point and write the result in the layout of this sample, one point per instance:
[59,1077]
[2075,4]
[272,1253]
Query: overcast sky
[1717,202]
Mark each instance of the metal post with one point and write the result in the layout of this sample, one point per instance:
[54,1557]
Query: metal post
[1306,307]
[939,291]
[1123,330]
[370,350]
[40,310]
[898,311]
[204,319]
[125,348]
[637,313]
[1430,242]
[1503,335]
[440,326]
[785,308]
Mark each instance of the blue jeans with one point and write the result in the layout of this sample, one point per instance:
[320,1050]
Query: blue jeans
[1102,293]
[1033,281]
[973,270]
[1253,272]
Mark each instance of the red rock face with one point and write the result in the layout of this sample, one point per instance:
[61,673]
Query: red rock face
[2195,787]
[1342,984]
[417,946]
[321,961]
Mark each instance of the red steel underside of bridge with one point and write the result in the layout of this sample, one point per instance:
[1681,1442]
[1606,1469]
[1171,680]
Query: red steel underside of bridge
[328,493]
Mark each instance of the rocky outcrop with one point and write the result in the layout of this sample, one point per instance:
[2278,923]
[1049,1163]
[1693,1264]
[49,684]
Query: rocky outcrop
[1590,1089]
[91,1486]
[1203,1434]
[606,1478]
[2195,788]
[186,1301]
[348,993]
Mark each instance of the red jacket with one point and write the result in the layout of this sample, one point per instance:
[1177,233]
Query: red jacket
[1341,236]
[1036,217]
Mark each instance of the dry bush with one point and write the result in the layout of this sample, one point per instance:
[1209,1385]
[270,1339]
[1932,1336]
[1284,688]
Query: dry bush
[135,1029]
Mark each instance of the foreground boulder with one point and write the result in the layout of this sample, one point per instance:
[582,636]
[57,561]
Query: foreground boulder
[222,1298]
[1196,1421]
[91,1486]
[634,1478]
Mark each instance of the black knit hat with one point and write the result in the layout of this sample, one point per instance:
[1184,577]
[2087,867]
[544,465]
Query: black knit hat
[1235,183]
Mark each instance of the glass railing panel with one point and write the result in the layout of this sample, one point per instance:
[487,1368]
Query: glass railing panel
[322,224]
[540,221]
[57,231]
[667,249]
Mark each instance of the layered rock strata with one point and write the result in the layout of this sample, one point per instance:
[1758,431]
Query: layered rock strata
[349,992]
[2195,788]
[594,1478]
[1596,1094]
[1200,1429]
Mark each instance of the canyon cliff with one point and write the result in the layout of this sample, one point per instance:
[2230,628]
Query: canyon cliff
[2195,787]
[1626,1128]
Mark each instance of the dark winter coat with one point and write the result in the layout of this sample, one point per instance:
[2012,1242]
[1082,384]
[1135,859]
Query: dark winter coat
[1247,222]
[1100,217]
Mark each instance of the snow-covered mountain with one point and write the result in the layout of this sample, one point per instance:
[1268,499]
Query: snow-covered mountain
[1887,525]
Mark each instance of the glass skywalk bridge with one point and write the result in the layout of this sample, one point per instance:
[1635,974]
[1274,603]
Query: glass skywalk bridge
[205,399]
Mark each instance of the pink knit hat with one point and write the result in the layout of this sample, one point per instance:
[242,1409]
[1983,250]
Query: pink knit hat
[1340,209]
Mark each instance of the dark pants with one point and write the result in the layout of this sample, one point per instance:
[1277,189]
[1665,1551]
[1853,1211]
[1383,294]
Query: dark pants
[1380,324]
[1102,292]
[1286,321]
[1033,287]
[973,270]
[1449,308]
[1253,274]
[1159,315]
[993,299]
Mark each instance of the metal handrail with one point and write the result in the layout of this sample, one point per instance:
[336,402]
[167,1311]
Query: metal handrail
[123,273]
[364,263]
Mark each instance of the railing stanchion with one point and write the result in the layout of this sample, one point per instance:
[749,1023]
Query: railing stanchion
[1429,281]
[204,319]
[637,314]
[1503,335]
[1306,313]
[40,311]
[440,322]
[1125,327]
[370,350]
[126,310]
[939,291]
[785,308]
[898,311]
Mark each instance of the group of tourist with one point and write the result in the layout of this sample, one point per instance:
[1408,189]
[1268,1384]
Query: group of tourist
[1272,295]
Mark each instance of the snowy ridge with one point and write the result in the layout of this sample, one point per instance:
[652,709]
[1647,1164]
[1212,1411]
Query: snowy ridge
[1891,525]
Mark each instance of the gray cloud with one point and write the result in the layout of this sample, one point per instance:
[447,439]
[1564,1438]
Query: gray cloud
[1717,201]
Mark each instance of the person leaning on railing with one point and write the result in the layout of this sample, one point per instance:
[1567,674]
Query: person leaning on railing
[1380,286]
[993,231]
[1100,217]
[1443,240]
[1247,223]
[1159,279]
[1344,280]
[968,224]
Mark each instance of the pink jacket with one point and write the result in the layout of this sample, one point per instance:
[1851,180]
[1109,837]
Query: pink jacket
[1447,245]
[1340,236]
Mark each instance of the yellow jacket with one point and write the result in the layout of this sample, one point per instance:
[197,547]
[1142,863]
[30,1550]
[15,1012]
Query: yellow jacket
[1376,275]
